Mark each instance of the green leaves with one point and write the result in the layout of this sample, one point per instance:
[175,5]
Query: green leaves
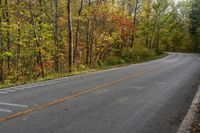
[8,54]
[36,35]
[195,24]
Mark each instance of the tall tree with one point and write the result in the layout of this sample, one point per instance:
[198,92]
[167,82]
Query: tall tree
[88,37]
[195,24]
[33,33]
[7,19]
[1,43]
[134,21]
[56,35]
[70,37]
[36,36]
[77,34]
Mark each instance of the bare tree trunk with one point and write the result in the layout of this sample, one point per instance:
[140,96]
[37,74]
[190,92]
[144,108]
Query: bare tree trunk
[18,45]
[55,36]
[88,42]
[77,31]
[148,39]
[157,38]
[70,38]
[88,39]
[92,39]
[7,16]
[1,45]
[134,22]
[91,48]
[39,56]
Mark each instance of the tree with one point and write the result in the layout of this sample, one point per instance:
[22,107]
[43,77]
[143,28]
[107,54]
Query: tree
[56,35]
[195,24]
[134,21]
[77,34]
[70,38]
[1,44]
[35,42]
[7,19]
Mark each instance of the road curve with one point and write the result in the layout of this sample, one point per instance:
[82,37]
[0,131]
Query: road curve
[151,97]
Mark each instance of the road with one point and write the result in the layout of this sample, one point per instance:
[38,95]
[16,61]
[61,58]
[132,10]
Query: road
[151,97]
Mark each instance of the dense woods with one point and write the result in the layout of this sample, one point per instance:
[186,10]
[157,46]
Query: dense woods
[40,38]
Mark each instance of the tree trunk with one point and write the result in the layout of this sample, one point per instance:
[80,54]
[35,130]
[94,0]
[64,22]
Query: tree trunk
[88,38]
[70,37]
[18,40]
[157,38]
[77,31]
[7,17]
[55,36]
[134,22]
[1,45]
[39,56]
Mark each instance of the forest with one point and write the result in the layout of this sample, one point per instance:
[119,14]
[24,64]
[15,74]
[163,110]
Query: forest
[52,38]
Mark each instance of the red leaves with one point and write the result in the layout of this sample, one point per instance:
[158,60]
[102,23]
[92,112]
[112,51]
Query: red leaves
[122,21]
[119,21]
[47,65]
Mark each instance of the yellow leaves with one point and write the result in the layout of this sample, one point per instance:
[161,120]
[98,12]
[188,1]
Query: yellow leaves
[8,54]
[165,30]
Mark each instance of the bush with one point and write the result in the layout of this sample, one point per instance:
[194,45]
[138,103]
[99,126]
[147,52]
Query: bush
[111,61]
[136,54]
[81,67]
[128,55]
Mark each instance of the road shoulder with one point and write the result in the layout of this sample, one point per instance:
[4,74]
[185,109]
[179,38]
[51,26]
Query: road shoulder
[190,116]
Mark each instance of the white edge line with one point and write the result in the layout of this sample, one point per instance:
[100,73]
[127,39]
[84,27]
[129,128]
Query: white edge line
[3,92]
[5,110]
[19,89]
[10,90]
[13,104]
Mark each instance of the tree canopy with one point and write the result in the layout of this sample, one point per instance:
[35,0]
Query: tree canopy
[39,38]
[195,24]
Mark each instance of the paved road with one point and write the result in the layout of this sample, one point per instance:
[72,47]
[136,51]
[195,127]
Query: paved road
[150,97]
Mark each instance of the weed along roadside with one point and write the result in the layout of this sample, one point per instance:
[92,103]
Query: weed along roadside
[107,64]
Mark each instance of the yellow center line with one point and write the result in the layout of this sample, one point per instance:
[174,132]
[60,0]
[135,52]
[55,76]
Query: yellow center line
[88,90]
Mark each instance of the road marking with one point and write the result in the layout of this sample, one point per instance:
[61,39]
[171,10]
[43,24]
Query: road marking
[5,110]
[13,104]
[77,94]
[10,90]
[89,90]
[19,89]
[3,92]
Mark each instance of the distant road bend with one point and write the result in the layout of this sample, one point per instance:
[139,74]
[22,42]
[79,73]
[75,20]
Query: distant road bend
[151,97]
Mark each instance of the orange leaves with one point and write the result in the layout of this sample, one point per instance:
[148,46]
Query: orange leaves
[121,21]
[117,20]
[48,65]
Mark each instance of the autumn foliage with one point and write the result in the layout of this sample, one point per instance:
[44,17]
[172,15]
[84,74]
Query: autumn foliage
[37,38]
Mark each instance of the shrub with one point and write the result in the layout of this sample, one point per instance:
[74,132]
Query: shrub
[128,55]
[136,54]
[111,61]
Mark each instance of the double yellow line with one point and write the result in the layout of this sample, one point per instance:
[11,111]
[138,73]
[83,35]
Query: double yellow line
[86,91]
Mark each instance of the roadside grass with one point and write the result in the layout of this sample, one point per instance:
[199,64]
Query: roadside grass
[7,84]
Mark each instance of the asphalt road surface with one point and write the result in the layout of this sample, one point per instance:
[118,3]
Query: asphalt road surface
[151,97]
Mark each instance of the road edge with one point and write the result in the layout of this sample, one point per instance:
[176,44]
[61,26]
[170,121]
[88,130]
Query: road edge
[185,126]
[84,73]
